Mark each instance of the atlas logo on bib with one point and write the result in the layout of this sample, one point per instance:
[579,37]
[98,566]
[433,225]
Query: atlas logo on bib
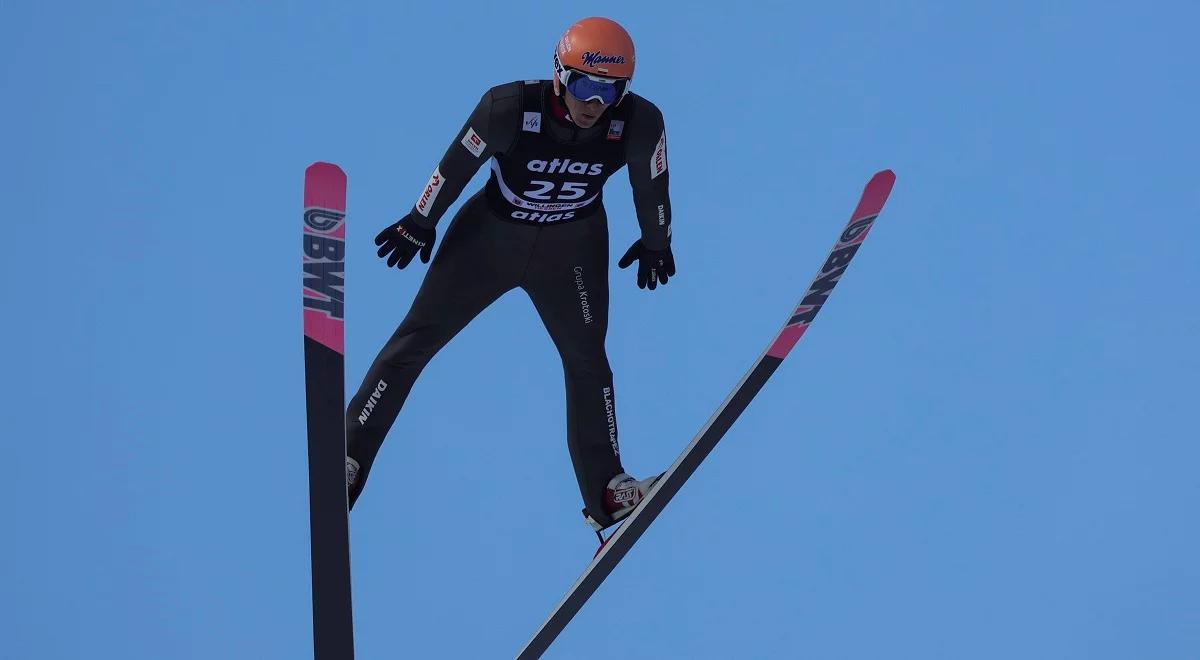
[534,216]
[566,166]
[431,192]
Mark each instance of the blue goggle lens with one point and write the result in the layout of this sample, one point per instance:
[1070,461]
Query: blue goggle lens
[585,88]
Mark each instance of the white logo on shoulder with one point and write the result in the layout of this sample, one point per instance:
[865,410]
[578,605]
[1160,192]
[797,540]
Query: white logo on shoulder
[532,123]
[473,142]
[431,192]
[658,164]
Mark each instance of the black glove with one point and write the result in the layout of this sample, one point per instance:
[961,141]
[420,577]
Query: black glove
[654,266]
[401,241]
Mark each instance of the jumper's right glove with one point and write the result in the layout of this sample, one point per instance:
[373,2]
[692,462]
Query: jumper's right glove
[654,266]
[401,241]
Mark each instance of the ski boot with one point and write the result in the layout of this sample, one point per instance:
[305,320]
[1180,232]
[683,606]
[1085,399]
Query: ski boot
[621,497]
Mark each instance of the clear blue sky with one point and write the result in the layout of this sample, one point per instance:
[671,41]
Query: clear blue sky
[982,449]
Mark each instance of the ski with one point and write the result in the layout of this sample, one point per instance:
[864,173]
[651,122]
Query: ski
[324,255]
[869,206]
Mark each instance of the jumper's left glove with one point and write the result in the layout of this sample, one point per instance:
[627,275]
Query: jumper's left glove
[654,266]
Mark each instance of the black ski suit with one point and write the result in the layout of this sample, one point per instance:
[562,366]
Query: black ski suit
[538,224]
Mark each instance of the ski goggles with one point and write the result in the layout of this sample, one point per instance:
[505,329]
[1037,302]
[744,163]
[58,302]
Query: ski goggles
[585,86]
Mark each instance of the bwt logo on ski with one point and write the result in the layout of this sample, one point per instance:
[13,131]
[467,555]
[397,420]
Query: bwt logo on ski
[373,401]
[598,58]
[323,220]
[566,166]
[831,271]
[324,263]
[857,232]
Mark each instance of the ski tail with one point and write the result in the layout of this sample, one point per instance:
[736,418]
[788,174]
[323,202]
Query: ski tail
[869,206]
[324,255]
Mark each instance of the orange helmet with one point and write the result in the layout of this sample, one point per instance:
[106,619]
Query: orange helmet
[595,56]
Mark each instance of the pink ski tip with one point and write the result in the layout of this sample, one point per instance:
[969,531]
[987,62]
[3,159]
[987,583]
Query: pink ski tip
[883,178]
[324,168]
[324,186]
[875,194]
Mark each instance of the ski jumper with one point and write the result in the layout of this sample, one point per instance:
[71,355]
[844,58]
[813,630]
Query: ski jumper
[539,224]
